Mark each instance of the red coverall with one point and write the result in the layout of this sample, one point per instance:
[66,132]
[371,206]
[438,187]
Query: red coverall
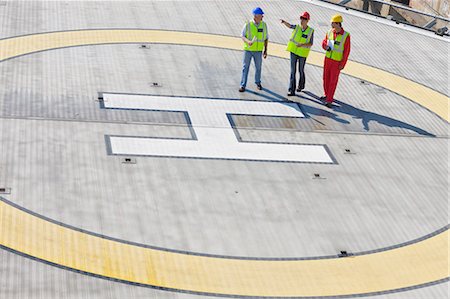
[332,68]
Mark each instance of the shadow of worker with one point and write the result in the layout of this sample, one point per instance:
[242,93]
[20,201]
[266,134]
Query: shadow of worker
[306,110]
[274,97]
[367,117]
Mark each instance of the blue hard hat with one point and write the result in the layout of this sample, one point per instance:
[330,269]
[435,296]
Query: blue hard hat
[258,11]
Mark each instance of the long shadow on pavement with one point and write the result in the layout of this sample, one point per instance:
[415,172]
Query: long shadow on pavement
[367,117]
[344,109]
[307,110]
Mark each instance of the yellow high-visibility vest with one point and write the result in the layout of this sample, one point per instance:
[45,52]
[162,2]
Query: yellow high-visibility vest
[338,49]
[301,37]
[260,32]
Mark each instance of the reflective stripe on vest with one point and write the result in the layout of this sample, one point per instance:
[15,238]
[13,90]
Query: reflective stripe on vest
[301,37]
[338,50]
[260,36]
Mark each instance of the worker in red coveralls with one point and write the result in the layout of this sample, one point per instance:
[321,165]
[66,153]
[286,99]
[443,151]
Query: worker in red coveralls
[337,45]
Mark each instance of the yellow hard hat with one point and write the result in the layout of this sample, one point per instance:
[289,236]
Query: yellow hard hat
[336,19]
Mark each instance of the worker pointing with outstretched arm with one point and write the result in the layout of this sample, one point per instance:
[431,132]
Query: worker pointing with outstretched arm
[299,45]
[255,37]
[337,45]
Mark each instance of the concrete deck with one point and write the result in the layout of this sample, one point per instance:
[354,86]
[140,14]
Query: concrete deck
[391,189]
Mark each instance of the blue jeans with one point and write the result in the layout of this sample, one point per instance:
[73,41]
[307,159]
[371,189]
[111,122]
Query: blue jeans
[301,70]
[257,57]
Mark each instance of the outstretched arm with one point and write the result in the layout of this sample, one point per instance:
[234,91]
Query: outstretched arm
[286,23]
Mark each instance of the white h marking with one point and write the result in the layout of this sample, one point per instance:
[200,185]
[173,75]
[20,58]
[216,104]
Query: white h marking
[215,136]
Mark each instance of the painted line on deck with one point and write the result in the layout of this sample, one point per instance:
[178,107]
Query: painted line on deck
[27,44]
[418,264]
[415,264]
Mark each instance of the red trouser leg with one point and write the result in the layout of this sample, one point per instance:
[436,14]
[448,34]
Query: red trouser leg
[333,77]
[326,70]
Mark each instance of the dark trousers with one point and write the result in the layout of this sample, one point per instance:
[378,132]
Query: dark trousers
[301,70]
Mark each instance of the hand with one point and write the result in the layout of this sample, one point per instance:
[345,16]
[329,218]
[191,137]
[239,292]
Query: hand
[265,55]
[328,48]
[282,21]
[299,45]
[341,67]
[250,42]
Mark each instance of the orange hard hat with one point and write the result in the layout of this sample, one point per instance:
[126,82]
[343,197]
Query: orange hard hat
[305,15]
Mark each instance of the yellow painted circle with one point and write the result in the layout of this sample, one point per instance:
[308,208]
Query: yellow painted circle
[22,45]
[416,264]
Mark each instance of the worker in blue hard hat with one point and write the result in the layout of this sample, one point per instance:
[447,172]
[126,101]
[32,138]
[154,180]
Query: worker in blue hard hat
[255,37]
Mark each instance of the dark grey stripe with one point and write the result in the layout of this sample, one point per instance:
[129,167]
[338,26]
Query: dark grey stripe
[218,294]
[168,30]
[441,230]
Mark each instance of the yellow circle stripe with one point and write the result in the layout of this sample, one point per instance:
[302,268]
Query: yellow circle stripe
[408,266]
[418,93]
